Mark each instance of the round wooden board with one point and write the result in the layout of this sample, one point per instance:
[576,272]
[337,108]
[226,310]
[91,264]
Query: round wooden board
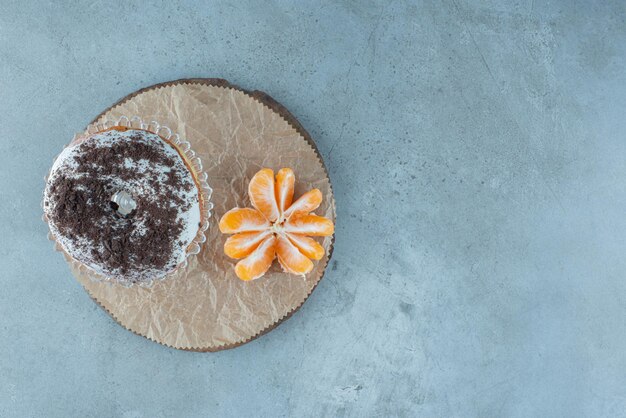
[108,303]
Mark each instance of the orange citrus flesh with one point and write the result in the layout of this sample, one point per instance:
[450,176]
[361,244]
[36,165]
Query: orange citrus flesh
[277,227]
[292,260]
[308,202]
[243,220]
[242,244]
[258,262]
[262,194]
[310,224]
[307,246]
[285,180]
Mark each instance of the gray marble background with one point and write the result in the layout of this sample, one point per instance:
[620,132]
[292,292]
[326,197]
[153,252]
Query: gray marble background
[477,150]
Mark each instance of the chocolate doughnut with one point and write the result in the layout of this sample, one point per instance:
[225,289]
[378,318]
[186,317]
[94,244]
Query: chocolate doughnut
[124,203]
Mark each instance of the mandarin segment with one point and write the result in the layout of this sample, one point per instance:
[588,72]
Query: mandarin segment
[262,194]
[308,202]
[290,258]
[242,244]
[243,220]
[285,180]
[258,262]
[310,224]
[307,246]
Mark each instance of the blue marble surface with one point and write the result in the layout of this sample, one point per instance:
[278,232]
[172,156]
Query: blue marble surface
[478,155]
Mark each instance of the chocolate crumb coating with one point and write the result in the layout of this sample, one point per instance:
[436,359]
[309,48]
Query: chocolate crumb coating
[144,244]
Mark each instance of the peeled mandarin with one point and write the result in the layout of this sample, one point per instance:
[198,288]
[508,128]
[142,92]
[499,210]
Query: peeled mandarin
[277,227]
